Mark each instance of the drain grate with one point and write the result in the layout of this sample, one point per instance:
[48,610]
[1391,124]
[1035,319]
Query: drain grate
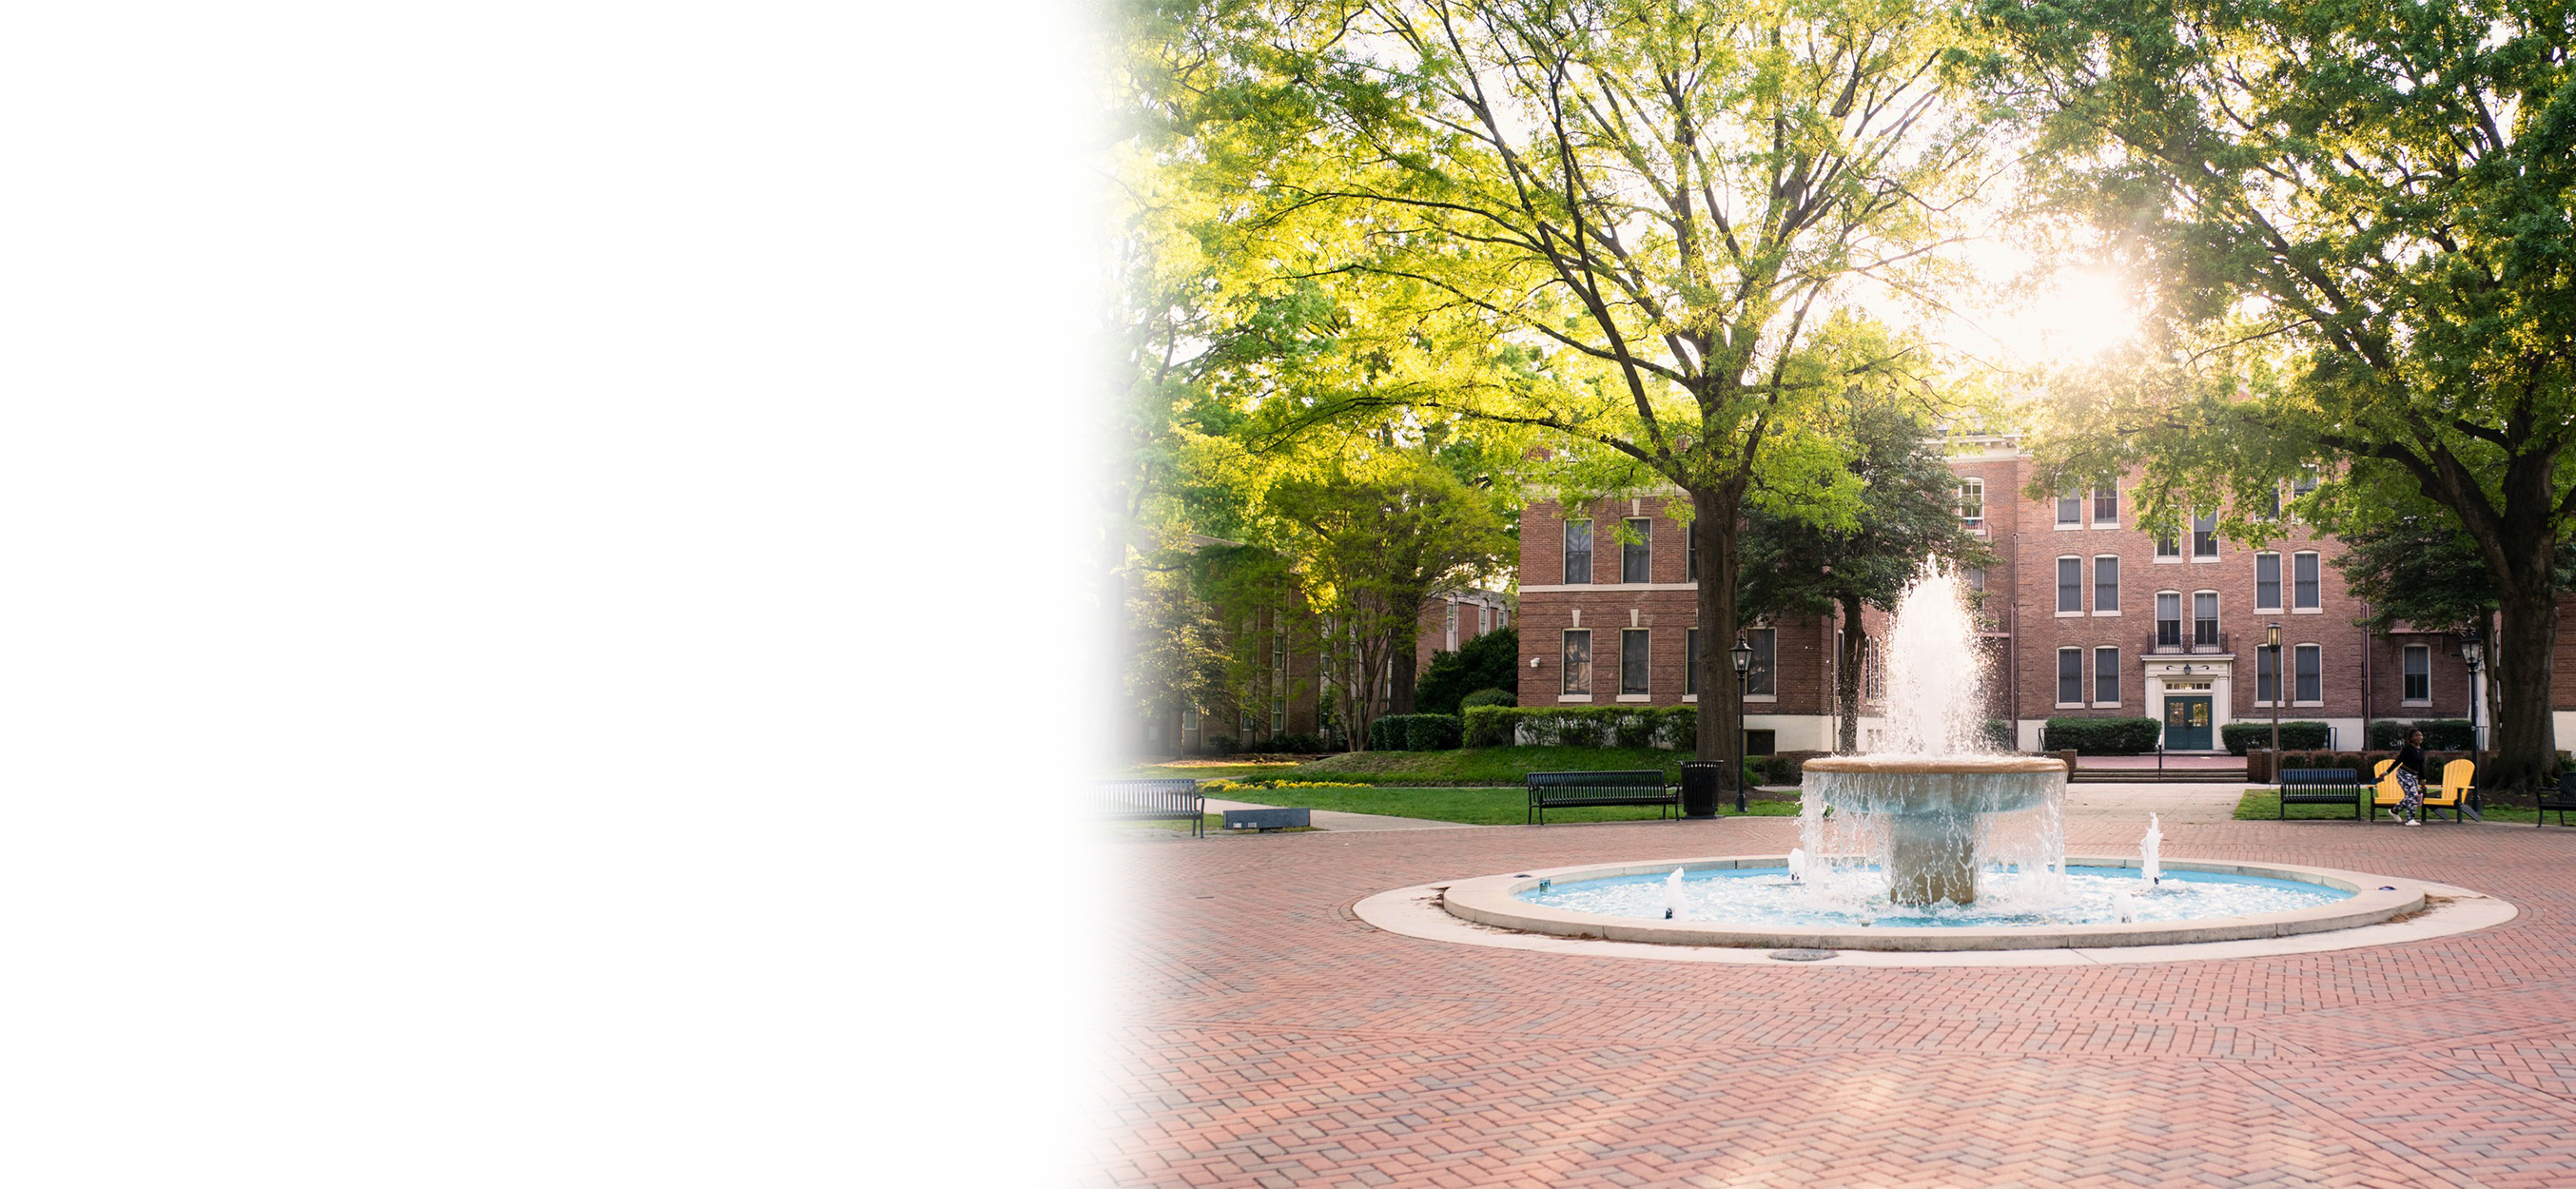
[1801,955]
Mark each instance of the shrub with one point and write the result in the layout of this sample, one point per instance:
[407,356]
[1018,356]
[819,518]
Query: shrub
[1490,726]
[2440,734]
[1298,744]
[1432,732]
[1788,767]
[1219,744]
[1671,727]
[1489,697]
[2238,736]
[2100,736]
[1679,729]
[1490,661]
[1997,734]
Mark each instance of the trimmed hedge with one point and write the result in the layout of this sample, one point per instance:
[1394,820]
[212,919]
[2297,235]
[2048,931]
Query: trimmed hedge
[2239,736]
[2100,736]
[1488,697]
[1674,728]
[2440,734]
[1415,732]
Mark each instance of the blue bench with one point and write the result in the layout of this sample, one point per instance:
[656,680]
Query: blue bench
[2322,786]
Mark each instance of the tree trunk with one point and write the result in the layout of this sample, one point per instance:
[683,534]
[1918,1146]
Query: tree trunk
[2525,742]
[1715,528]
[1847,678]
[1106,688]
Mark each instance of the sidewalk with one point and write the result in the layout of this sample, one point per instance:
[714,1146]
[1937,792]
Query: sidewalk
[2171,803]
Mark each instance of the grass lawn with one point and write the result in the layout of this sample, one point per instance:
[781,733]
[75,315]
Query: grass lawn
[1479,806]
[2262,805]
[1207,770]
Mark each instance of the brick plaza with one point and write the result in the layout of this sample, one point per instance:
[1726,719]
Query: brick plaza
[1266,1037]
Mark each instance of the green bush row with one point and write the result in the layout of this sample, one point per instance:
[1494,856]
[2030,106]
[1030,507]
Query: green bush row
[1416,732]
[2100,736]
[2388,734]
[2238,736]
[1672,727]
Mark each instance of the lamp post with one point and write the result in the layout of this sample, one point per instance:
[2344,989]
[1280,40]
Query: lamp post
[2473,650]
[2272,637]
[1083,659]
[1742,654]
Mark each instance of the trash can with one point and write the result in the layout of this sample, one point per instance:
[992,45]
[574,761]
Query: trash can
[1700,781]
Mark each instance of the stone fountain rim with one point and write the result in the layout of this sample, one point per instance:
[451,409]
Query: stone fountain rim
[1491,901]
[1937,765]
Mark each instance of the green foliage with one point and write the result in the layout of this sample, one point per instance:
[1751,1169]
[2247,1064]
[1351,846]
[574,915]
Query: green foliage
[1432,732]
[2239,736]
[1488,662]
[1489,697]
[1500,805]
[2440,734]
[1480,765]
[1583,726]
[2100,736]
[1297,744]
[1997,733]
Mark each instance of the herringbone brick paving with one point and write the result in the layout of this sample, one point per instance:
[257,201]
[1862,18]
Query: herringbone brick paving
[1268,1038]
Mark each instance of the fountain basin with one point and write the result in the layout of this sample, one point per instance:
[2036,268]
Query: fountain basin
[1494,901]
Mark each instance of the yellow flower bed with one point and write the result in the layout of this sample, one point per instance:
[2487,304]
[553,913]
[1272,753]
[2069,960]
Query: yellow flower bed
[1229,786]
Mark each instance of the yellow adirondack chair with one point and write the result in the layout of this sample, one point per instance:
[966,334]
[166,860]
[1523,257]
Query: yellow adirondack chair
[2384,794]
[2457,777]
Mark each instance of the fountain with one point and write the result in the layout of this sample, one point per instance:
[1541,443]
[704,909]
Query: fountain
[1934,843]
[1929,812]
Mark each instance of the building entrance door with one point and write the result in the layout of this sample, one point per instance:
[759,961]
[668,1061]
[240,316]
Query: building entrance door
[2187,722]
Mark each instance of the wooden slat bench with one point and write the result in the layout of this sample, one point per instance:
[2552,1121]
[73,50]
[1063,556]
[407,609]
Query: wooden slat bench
[2322,786]
[1154,801]
[1567,790]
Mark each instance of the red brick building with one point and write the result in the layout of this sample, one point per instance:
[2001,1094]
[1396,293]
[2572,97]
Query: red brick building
[2088,615]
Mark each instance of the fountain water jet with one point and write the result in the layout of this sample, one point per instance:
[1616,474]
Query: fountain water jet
[1926,812]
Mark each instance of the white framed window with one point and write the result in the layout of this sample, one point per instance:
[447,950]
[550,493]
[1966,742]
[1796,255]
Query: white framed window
[2070,676]
[2106,676]
[2204,619]
[1453,627]
[2106,584]
[2307,675]
[1633,661]
[1279,651]
[2305,589]
[1278,715]
[1690,662]
[1189,718]
[1977,578]
[1637,558]
[1578,552]
[2070,586]
[2106,507]
[2070,510]
[2267,582]
[2204,537]
[1760,678]
[1690,554]
[1484,619]
[1578,662]
[1972,502]
[2168,545]
[2267,679]
[2419,675]
[2168,619]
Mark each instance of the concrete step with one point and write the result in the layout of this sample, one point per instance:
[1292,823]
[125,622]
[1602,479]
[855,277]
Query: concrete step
[2152,776]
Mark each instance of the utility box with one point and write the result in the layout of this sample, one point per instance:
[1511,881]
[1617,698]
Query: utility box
[1268,819]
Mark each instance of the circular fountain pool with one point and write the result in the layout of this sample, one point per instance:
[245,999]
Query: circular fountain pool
[1750,901]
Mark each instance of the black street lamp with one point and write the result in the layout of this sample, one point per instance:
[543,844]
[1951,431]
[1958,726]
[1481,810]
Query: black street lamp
[2473,650]
[1743,656]
[2272,636]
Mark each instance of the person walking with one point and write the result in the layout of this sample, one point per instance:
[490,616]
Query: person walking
[2410,780]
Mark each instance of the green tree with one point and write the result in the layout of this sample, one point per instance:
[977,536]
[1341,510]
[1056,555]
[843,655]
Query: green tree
[1908,516]
[2360,222]
[1636,224]
[1367,537]
[1490,661]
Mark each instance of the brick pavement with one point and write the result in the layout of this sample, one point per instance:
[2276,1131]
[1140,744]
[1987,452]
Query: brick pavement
[1270,1039]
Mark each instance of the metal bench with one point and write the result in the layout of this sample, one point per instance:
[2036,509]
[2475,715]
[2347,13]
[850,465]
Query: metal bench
[1568,790]
[2561,799]
[1154,801]
[2321,786]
